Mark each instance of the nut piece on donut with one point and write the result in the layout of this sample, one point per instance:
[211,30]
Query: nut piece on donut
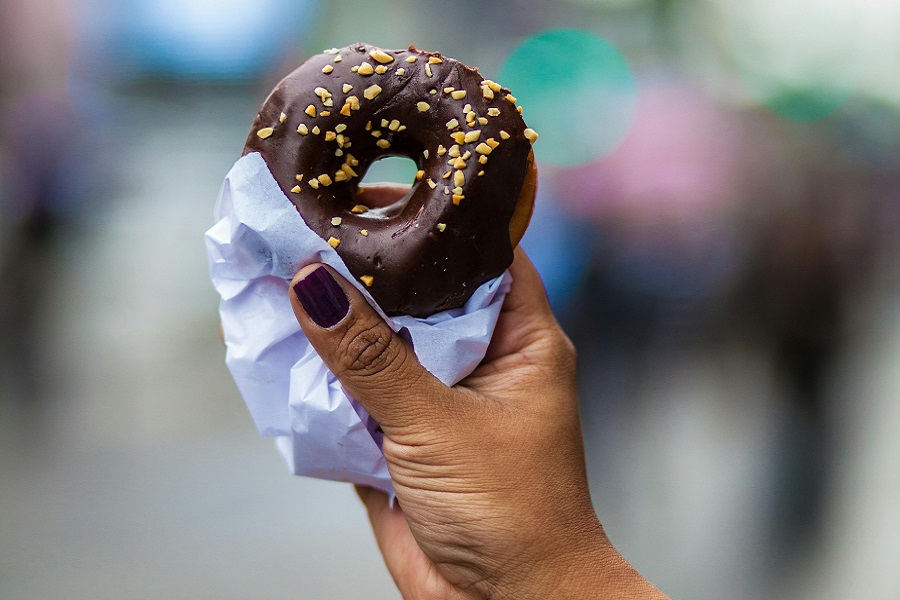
[323,126]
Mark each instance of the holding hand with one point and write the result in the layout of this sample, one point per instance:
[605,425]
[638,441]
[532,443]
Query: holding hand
[489,473]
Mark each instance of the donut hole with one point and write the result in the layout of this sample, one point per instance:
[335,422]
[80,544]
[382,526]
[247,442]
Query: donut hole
[390,169]
[384,187]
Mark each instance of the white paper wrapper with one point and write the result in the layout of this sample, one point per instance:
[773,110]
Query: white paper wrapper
[256,246]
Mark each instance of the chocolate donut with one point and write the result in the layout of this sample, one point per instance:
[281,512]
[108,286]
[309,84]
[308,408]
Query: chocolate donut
[323,126]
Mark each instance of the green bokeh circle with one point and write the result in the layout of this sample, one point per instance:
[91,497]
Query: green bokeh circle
[577,92]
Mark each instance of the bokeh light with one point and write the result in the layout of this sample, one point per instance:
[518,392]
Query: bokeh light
[799,61]
[577,91]
[391,169]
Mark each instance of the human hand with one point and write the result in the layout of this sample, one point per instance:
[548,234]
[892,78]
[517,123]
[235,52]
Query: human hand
[489,473]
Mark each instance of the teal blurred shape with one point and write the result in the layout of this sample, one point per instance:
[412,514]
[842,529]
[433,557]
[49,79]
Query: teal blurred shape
[391,169]
[805,105]
[577,91]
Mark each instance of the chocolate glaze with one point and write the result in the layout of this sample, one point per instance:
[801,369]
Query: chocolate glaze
[416,268]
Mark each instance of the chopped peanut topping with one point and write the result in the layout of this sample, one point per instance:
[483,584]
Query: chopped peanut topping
[282,118]
[447,174]
[531,135]
[472,136]
[487,92]
[482,121]
[365,69]
[324,179]
[367,279]
[335,221]
[452,124]
[299,176]
[265,132]
[447,90]
[419,175]
[327,69]
[504,135]
[352,161]
[493,112]
[322,93]
[394,125]
[340,175]
[457,198]
[346,88]
[459,137]
[458,94]
[441,227]
[459,178]
[466,155]
[348,169]
[314,184]
[353,101]
[510,98]
[380,69]
[441,151]
[483,148]
[302,129]
[410,59]
[401,71]
[376,133]
[454,151]
[483,159]
[382,143]
[310,110]
[372,91]
[480,173]
[334,242]
[458,190]
[296,189]
[381,56]
[359,208]
[425,153]
[338,58]
[430,183]
[364,232]
[340,127]
[434,60]
[422,106]
[329,136]
[491,84]
[316,130]
[325,113]
[428,70]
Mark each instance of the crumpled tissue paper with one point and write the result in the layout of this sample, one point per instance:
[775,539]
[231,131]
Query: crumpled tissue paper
[258,243]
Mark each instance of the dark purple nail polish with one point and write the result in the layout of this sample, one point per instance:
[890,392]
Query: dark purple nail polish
[322,298]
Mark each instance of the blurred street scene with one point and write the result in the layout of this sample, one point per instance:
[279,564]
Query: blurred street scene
[718,228]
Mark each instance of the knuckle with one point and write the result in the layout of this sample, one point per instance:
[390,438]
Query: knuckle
[370,350]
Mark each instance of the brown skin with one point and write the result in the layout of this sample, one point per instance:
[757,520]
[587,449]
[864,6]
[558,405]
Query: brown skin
[490,473]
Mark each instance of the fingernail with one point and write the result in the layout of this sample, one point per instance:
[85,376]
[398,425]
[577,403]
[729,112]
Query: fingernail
[322,298]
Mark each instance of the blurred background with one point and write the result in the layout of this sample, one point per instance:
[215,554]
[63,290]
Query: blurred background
[717,227]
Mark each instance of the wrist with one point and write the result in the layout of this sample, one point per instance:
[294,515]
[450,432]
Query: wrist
[580,568]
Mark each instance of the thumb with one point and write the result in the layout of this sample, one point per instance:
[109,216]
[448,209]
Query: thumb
[373,363]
